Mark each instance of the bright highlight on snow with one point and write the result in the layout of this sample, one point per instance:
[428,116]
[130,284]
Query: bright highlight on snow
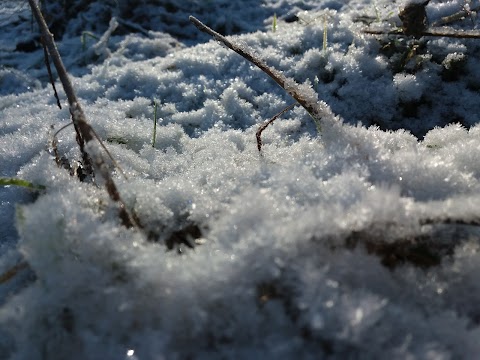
[357,239]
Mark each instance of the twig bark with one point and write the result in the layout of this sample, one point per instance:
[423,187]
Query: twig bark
[85,133]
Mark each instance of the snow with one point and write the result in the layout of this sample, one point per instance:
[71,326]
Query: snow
[359,239]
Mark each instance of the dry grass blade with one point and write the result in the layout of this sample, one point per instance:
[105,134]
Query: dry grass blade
[84,131]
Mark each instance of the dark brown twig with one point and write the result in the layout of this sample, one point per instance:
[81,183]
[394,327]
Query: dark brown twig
[49,70]
[85,133]
[268,122]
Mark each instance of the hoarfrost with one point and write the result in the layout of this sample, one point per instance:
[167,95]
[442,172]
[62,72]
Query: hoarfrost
[358,240]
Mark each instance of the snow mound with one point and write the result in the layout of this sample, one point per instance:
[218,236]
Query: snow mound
[357,240]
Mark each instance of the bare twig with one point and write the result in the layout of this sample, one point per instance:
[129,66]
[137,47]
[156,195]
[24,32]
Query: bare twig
[440,32]
[268,122]
[453,33]
[288,84]
[10,273]
[49,70]
[85,133]
[455,17]
[414,23]
[60,161]
[371,31]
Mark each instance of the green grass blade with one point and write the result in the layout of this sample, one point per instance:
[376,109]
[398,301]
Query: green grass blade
[20,182]
[154,137]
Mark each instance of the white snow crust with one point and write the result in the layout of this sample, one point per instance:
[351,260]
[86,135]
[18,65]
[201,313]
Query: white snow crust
[358,240]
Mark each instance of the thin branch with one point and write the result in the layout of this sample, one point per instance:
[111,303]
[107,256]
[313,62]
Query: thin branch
[449,221]
[452,33]
[455,17]
[47,36]
[49,70]
[288,84]
[84,131]
[438,32]
[133,26]
[268,122]
[10,273]
[382,32]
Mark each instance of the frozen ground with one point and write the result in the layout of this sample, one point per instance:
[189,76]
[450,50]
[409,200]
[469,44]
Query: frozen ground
[355,242]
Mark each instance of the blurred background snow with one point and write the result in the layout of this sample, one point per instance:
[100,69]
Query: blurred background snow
[341,244]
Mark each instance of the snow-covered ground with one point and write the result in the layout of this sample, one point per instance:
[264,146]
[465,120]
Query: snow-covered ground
[358,241]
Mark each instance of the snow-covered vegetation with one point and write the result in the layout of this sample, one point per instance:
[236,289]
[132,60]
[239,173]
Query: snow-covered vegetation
[356,240]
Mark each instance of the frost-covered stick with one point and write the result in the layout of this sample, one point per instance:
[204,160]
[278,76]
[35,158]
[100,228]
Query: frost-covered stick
[307,100]
[101,47]
[440,32]
[456,17]
[262,127]
[83,129]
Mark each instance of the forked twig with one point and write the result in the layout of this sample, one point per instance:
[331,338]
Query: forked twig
[268,122]
[60,161]
[288,84]
[85,133]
